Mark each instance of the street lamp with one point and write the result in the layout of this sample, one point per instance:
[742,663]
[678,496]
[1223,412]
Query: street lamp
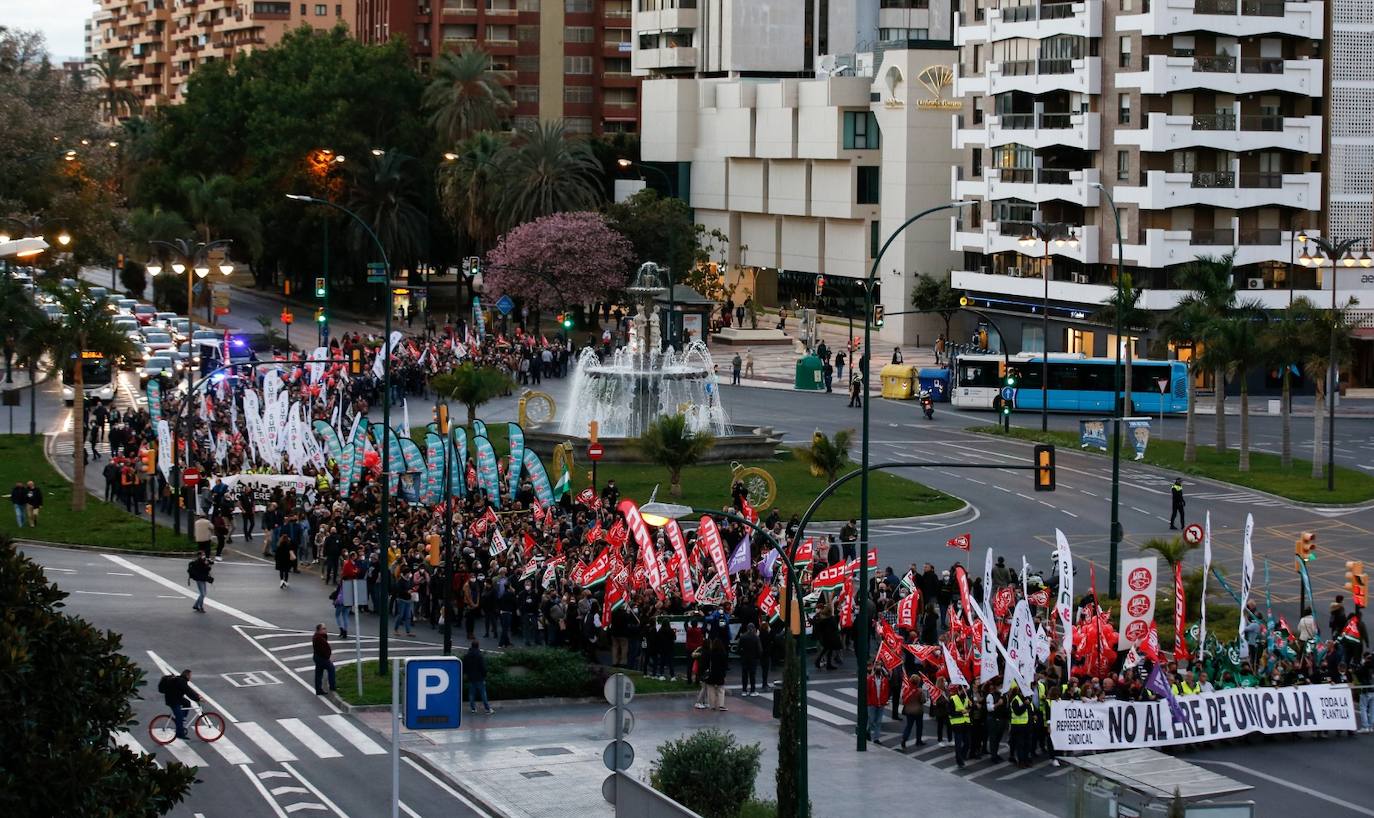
[385,535]
[627,164]
[658,515]
[1046,232]
[1331,253]
[1117,381]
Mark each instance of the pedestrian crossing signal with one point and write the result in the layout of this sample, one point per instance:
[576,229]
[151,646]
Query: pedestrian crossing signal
[877,315]
[820,285]
[1357,582]
[319,287]
[1044,467]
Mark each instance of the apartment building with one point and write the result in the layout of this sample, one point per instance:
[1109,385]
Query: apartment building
[807,157]
[560,59]
[163,41]
[1205,121]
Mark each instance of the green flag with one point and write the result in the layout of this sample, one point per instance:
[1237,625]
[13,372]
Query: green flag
[564,484]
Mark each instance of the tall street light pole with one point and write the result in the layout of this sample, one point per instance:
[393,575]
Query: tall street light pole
[861,632]
[1046,232]
[1117,381]
[385,537]
[1331,253]
[627,164]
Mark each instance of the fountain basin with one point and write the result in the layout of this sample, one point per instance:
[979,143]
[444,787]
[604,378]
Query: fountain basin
[739,443]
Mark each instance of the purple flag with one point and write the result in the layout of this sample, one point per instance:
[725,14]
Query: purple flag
[766,565]
[739,561]
[1159,685]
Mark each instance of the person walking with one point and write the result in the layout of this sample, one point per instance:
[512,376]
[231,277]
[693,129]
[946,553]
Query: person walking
[913,711]
[475,669]
[340,600]
[959,721]
[896,355]
[839,365]
[1020,709]
[20,497]
[879,690]
[198,571]
[736,365]
[749,363]
[856,386]
[1176,504]
[750,649]
[282,559]
[35,501]
[322,653]
[204,532]
[717,666]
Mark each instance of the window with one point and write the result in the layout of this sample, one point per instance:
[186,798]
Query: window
[1032,340]
[1123,109]
[577,65]
[861,131]
[577,34]
[576,6]
[338,9]
[1123,166]
[577,124]
[528,63]
[1125,48]
[302,9]
[527,34]
[868,185]
[977,169]
[977,110]
[874,238]
[616,65]
[527,93]
[321,9]
[577,94]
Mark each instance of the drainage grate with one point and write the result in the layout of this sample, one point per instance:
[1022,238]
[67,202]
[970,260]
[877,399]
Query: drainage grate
[538,774]
[549,751]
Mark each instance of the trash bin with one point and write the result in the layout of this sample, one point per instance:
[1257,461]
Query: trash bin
[809,376]
[777,699]
[898,381]
[936,379]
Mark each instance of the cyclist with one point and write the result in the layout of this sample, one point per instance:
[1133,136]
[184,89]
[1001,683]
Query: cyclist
[176,690]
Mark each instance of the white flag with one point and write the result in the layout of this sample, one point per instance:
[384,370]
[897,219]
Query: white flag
[1025,570]
[1247,571]
[987,653]
[1206,569]
[1063,601]
[164,449]
[956,676]
[1021,649]
[987,581]
[317,357]
[385,351]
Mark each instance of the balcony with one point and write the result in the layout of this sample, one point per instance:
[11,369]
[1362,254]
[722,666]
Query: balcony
[1049,20]
[680,57]
[1030,184]
[501,8]
[1036,130]
[1224,189]
[1165,75]
[1237,18]
[1034,77]
[678,19]
[997,237]
[1163,248]
[1228,132]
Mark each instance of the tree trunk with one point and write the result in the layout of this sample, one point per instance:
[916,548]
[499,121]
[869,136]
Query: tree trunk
[1318,421]
[79,433]
[675,483]
[1190,424]
[1244,425]
[1221,410]
[1286,448]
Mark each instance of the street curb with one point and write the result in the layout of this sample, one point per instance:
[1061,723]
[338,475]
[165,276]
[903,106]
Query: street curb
[517,704]
[908,520]
[1160,471]
[83,547]
[474,794]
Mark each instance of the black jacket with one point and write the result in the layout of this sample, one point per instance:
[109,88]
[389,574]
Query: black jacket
[178,690]
[474,666]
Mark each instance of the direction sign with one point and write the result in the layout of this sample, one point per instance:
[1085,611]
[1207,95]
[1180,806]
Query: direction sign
[595,451]
[627,722]
[1192,534]
[1009,394]
[434,693]
[190,476]
[505,305]
[376,272]
[618,755]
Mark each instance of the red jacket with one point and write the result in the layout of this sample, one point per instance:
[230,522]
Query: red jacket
[879,690]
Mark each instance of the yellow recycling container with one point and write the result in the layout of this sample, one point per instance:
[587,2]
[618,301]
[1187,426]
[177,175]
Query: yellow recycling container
[899,381]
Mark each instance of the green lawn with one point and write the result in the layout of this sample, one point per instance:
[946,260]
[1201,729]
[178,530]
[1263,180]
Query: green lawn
[101,524]
[709,485]
[1265,474]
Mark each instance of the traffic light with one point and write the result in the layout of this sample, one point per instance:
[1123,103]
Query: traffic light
[1306,547]
[565,320]
[319,287]
[433,549]
[1044,467]
[1357,582]
[319,315]
[877,315]
[149,460]
[820,285]
[441,418]
[1010,380]
[355,366]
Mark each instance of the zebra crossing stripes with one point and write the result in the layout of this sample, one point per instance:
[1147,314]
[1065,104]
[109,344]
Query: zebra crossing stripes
[264,740]
[1243,498]
[309,738]
[351,734]
[280,741]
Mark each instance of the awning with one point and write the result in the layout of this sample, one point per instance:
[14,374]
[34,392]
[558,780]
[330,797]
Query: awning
[1156,775]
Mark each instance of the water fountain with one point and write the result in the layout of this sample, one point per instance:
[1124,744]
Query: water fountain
[642,381]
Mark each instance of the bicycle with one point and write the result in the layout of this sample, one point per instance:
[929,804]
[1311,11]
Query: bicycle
[209,725]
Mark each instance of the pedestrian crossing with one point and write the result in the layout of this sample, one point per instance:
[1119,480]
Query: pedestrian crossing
[277,741]
[1244,498]
[294,652]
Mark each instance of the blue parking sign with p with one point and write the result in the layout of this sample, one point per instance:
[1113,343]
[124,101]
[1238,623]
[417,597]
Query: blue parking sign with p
[434,693]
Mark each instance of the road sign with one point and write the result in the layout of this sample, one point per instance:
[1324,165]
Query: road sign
[627,722]
[190,476]
[434,693]
[505,305]
[627,691]
[1163,384]
[618,755]
[1009,394]
[1192,534]
[376,272]
[595,451]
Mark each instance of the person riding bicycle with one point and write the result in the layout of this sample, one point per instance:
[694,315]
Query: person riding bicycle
[176,690]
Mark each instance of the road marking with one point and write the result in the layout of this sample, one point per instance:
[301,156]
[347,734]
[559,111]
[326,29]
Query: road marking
[444,786]
[991,767]
[826,716]
[273,774]
[1061,771]
[184,753]
[351,734]
[303,683]
[1142,511]
[118,574]
[188,593]
[263,739]
[124,739]
[316,791]
[263,790]
[1025,497]
[831,700]
[285,789]
[100,593]
[171,671]
[309,738]
[47,568]
[1047,505]
[1017,774]
[230,751]
[1070,513]
[408,811]
[1089,493]
[976,480]
[1283,782]
[1000,488]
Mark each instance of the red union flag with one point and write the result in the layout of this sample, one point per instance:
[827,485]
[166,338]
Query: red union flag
[930,654]
[1002,600]
[853,565]
[832,577]
[888,658]
[768,603]
[588,498]
[617,534]
[805,553]
[847,605]
[709,534]
[963,542]
[599,570]
[906,611]
[1039,599]
[888,636]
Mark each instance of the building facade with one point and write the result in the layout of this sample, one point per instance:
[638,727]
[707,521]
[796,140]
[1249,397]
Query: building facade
[1205,121]
[560,59]
[163,41]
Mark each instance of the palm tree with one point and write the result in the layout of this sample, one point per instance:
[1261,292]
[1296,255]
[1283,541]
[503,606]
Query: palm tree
[544,172]
[269,333]
[471,386]
[1283,347]
[1186,324]
[464,96]
[86,326]
[386,196]
[1211,283]
[827,456]
[1328,343]
[669,442]
[1233,349]
[1125,301]
[468,185]
[110,69]
[1172,551]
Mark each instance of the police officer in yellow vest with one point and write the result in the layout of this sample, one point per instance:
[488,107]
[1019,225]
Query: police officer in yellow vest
[1185,686]
[959,721]
[1020,727]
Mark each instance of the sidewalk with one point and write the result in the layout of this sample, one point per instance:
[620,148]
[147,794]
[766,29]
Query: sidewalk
[546,762]
[775,365]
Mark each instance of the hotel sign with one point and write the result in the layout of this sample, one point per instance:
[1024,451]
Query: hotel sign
[936,79]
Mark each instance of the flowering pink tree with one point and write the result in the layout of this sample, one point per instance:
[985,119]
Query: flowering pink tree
[559,260]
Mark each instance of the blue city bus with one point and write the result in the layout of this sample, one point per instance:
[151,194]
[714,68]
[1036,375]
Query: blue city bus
[1077,384]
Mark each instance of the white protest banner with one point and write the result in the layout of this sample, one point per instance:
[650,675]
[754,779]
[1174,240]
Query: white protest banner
[1137,599]
[1063,600]
[1247,571]
[1120,725]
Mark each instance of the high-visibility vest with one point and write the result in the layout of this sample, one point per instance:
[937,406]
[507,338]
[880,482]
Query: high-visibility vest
[1023,718]
[1185,689]
[960,714]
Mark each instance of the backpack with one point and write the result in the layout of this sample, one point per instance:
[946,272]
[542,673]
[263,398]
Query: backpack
[164,684]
